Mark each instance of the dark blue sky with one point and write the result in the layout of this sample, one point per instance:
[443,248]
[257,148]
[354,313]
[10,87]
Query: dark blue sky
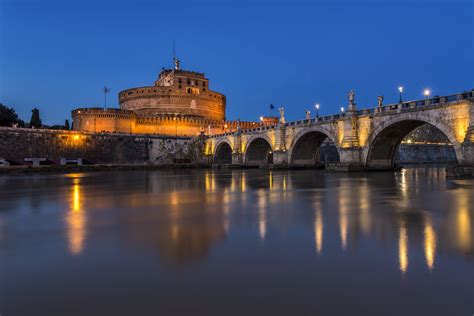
[57,55]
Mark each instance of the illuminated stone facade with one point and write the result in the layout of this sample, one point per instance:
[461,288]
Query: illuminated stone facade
[179,103]
[364,139]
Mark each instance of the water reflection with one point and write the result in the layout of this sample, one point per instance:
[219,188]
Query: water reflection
[262,214]
[430,245]
[403,248]
[343,213]
[76,220]
[184,215]
[318,231]
[464,221]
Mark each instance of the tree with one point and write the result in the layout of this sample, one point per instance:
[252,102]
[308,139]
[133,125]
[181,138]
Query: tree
[8,117]
[66,125]
[35,118]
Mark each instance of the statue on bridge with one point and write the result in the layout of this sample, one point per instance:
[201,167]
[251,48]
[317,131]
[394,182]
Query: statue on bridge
[308,114]
[351,101]
[282,115]
[380,101]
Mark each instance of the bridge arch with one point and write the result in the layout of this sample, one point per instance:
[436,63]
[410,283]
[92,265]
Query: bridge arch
[306,145]
[223,152]
[258,151]
[385,139]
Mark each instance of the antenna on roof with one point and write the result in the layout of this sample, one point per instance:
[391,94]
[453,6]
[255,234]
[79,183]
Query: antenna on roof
[174,50]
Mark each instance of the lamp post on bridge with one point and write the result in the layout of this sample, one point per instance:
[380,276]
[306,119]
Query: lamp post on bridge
[400,89]
[427,93]
[316,106]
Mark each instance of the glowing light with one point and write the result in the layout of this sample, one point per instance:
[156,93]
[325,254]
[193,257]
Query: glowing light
[426,92]
[317,106]
[270,183]
[342,109]
[262,214]
[430,246]
[76,137]
[400,89]
[318,232]
[261,118]
[463,225]
[76,221]
[343,216]
[174,198]
[403,249]
[209,182]
[243,187]
[364,207]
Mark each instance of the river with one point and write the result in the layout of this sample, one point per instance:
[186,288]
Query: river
[237,242]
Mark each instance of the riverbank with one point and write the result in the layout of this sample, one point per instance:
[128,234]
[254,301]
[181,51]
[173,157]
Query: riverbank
[89,168]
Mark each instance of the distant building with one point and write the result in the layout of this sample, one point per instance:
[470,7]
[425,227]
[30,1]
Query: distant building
[179,103]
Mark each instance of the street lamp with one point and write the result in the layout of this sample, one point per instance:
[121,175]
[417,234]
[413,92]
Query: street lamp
[400,89]
[316,106]
[427,93]
[342,109]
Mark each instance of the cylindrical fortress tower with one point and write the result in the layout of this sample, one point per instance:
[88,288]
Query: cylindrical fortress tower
[176,92]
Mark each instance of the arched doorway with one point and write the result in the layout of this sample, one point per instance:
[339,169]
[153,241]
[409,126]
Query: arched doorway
[223,154]
[313,149]
[385,146]
[259,152]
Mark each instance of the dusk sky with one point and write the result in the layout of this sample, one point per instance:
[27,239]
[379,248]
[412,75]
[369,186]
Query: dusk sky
[57,55]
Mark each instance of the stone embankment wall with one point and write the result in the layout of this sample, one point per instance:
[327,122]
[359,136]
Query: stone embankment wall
[422,153]
[406,154]
[16,144]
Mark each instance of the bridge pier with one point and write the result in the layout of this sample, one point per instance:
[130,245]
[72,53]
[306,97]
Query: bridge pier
[237,158]
[280,158]
[350,160]
[467,149]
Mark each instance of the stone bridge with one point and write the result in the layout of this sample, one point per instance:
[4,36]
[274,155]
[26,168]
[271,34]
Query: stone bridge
[364,139]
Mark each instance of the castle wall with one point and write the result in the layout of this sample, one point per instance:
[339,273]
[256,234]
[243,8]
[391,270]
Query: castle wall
[16,144]
[120,121]
[209,105]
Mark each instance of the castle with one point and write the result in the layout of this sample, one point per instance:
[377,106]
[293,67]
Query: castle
[179,103]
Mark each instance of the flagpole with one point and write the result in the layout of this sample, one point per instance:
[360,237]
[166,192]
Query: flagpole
[106,90]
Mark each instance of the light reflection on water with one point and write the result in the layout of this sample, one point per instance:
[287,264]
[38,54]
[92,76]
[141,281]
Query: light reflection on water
[74,237]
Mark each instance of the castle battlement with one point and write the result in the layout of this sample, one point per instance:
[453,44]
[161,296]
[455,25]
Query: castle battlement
[179,99]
